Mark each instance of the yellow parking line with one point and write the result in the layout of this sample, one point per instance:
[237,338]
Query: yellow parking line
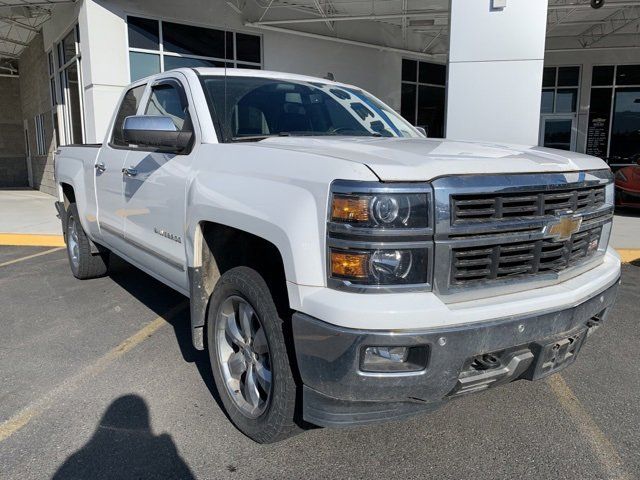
[31,240]
[629,255]
[11,262]
[22,418]
[600,445]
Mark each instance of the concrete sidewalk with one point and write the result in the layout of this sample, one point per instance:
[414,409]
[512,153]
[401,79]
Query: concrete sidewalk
[28,217]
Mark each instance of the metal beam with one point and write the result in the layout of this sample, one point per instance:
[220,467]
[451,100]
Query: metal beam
[587,5]
[11,40]
[613,24]
[346,18]
[342,40]
[9,55]
[18,24]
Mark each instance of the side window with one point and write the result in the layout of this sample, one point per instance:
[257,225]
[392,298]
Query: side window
[128,108]
[166,100]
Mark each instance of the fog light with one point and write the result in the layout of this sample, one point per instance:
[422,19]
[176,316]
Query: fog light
[394,359]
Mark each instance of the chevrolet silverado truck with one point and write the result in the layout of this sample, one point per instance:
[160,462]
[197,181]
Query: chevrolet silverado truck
[341,268]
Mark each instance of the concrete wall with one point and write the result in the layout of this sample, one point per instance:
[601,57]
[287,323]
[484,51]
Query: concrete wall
[586,60]
[13,164]
[36,99]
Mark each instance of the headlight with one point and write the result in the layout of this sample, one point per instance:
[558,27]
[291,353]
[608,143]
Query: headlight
[380,267]
[379,235]
[384,210]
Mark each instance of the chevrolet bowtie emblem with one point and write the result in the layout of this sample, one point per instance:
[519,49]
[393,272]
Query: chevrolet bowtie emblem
[563,226]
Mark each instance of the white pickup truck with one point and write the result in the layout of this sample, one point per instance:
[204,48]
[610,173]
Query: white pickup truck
[341,268]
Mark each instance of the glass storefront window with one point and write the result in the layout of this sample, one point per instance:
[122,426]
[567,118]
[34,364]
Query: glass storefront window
[143,64]
[187,46]
[423,95]
[625,131]
[557,97]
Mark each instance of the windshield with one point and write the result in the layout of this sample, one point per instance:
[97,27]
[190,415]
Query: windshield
[256,108]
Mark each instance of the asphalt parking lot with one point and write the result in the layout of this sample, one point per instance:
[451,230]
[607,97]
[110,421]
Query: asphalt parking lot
[99,380]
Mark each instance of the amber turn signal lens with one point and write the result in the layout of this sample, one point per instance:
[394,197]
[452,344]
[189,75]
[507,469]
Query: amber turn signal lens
[353,265]
[350,209]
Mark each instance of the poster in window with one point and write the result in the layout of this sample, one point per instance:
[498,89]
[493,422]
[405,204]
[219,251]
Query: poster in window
[599,121]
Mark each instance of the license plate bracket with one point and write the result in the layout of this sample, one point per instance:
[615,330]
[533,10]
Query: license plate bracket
[553,355]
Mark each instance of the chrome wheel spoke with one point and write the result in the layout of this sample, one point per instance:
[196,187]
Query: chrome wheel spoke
[245,312]
[263,375]
[231,326]
[252,394]
[260,342]
[237,365]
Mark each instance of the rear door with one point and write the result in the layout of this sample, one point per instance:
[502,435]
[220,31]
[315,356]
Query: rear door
[108,173]
[155,187]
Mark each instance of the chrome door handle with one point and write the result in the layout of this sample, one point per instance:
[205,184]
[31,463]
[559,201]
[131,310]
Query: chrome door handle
[130,172]
[100,167]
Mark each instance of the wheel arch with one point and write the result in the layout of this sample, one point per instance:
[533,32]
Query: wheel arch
[218,248]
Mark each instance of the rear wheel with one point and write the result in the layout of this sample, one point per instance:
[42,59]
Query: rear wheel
[249,358]
[83,263]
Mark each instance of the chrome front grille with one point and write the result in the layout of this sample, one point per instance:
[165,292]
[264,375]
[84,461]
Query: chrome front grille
[492,232]
[521,259]
[469,208]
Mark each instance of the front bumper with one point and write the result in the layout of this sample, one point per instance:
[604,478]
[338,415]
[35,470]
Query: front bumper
[337,392]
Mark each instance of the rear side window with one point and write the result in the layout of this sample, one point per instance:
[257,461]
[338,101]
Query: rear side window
[128,108]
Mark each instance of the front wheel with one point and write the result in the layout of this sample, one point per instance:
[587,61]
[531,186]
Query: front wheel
[83,263]
[249,358]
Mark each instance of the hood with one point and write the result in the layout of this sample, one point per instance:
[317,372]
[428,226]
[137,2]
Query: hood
[414,159]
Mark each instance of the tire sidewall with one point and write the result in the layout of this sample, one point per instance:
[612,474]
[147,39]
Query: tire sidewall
[249,285]
[72,216]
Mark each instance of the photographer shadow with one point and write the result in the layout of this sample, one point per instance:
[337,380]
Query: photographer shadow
[124,447]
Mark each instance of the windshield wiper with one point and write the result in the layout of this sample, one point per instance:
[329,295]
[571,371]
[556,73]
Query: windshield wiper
[257,138]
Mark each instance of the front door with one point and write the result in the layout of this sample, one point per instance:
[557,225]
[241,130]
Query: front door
[109,175]
[155,190]
[558,131]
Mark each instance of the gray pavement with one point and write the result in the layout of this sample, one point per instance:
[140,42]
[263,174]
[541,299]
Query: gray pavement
[83,404]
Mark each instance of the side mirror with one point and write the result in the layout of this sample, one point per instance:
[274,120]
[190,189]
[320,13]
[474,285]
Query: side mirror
[422,130]
[155,132]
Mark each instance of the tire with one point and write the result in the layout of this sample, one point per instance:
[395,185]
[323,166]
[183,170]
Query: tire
[272,417]
[83,263]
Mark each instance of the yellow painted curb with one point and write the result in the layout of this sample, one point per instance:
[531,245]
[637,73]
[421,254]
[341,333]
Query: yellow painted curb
[629,255]
[31,240]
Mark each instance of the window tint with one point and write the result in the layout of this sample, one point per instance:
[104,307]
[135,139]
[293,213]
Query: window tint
[409,70]
[179,62]
[433,73]
[602,75]
[128,108]
[568,76]
[166,100]
[143,64]
[628,75]
[549,77]
[247,48]
[69,47]
[190,40]
[143,33]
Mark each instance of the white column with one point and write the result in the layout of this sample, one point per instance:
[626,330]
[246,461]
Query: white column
[105,65]
[495,67]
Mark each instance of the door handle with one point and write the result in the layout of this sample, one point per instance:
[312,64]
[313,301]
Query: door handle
[100,167]
[130,172]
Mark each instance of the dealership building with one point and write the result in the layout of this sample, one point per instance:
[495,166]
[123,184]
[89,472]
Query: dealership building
[560,73]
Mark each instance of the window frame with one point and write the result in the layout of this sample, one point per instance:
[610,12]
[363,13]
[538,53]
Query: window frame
[555,88]
[162,53]
[417,84]
[614,87]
